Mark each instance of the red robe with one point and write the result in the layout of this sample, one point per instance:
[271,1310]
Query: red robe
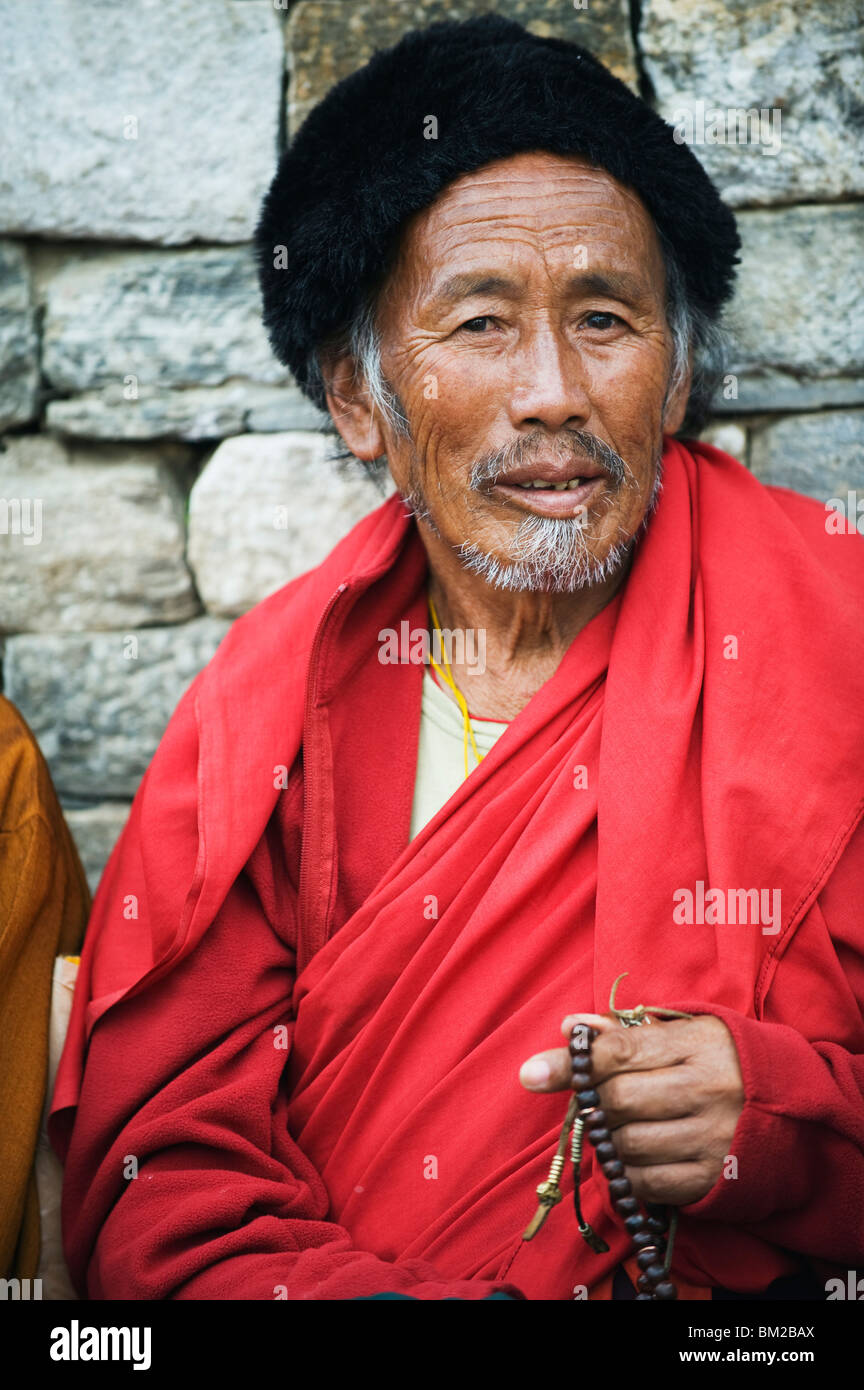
[391,1145]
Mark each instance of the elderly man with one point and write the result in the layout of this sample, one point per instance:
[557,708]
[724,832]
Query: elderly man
[362,900]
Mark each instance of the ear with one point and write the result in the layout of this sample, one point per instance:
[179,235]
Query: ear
[676,406]
[351,408]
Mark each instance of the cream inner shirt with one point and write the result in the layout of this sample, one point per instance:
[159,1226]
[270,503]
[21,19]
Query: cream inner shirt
[441,751]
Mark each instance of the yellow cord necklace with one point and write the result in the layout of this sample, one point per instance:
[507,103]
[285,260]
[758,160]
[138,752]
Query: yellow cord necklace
[447,677]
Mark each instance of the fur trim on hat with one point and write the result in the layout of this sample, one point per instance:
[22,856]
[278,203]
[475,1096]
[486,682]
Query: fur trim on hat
[360,166]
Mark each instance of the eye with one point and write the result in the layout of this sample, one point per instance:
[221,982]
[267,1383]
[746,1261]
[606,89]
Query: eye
[475,325]
[602,321]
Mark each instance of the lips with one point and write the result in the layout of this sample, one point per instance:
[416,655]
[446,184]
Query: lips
[569,499]
[552,477]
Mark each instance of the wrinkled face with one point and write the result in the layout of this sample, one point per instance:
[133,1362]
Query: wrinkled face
[524,335]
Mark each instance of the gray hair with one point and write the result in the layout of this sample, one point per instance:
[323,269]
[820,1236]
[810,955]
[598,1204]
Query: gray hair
[697,339]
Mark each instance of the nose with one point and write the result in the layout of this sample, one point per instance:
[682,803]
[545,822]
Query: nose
[549,387]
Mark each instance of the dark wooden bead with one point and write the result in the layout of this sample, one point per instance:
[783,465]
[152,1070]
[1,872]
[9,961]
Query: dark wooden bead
[645,1284]
[648,1256]
[596,1120]
[642,1238]
[606,1151]
[656,1272]
[586,1098]
[651,1254]
[627,1206]
[666,1292]
[634,1223]
[599,1136]
[577,1049]
[656,1225]
[614,1168]
[620,1187]
[580,1064]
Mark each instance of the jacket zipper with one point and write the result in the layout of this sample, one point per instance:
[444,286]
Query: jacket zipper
[312,805]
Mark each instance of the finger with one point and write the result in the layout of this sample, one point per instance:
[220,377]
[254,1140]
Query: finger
[547,1071]
[649,1144]
[672,1184]
[601,1022]
[614,1051]
[648,1048]
[666,1094]
[551,1070]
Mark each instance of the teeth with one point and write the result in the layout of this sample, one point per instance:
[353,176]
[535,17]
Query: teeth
[553,487]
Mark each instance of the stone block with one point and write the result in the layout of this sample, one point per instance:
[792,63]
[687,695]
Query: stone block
[147,122]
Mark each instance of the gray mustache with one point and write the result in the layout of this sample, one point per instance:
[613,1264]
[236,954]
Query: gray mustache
[573,445]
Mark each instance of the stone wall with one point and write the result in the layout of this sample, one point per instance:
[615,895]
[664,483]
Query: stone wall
[158,473]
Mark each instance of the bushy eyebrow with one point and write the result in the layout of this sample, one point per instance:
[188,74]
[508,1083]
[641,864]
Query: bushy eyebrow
[615,284]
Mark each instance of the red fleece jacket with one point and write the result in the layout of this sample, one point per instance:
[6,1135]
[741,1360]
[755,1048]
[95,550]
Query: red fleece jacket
[286,1010]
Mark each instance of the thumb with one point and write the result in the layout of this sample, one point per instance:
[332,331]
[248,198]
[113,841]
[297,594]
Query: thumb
[602,1022]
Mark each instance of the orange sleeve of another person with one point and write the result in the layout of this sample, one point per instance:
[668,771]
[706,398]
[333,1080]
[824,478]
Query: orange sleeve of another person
[44,906]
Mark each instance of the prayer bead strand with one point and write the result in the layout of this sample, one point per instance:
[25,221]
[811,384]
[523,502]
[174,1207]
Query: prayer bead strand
[646,1230]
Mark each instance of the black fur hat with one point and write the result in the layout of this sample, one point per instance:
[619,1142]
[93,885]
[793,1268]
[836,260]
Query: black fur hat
[361,165]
